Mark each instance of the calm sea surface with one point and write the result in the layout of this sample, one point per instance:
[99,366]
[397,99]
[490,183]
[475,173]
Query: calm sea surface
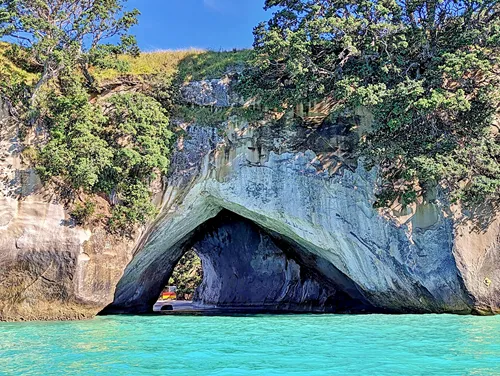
[255,345]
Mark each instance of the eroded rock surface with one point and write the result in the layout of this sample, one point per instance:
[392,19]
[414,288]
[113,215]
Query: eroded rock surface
[49,268]
[217,93]
[295,183]
[406,263]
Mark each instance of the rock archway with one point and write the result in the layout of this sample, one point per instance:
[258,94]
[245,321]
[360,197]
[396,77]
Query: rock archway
[293,185]
[323,214]
[245,267]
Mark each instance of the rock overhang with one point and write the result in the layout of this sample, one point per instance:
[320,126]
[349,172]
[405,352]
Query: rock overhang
[330,217]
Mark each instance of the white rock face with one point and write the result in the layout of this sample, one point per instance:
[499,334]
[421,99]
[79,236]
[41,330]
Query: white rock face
[429,260]
[403,267]
[49,269]
[215,93]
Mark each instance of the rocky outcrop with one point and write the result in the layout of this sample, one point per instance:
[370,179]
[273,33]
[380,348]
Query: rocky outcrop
[311,207]
[476,251]
[217,93]
[49,268]
[405,268]
[295,183]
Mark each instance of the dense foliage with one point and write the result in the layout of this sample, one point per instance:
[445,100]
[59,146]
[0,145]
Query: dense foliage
[427,70]
[117,148]
[61,34]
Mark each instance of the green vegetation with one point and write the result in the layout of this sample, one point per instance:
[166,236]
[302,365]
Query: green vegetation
[118,151]
[60,35]
[211,64]
[182,65]
[147,64]
[187,275]
[15,77]
[82,213]
[427,70]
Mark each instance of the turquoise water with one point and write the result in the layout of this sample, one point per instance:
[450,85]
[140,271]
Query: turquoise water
[254,345]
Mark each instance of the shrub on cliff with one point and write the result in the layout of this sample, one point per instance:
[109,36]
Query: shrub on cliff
[115,147]
[118,148]
[82,213]
[427,70]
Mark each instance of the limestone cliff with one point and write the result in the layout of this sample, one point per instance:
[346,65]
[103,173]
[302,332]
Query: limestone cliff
[293,184]
[291,181]
[49,268]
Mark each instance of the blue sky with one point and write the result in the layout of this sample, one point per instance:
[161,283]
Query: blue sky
[209,24]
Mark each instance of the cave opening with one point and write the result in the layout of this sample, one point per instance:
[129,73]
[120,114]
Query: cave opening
[230,263]
[186,277]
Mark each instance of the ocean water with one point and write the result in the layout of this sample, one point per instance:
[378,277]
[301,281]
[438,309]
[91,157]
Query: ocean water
[254,345]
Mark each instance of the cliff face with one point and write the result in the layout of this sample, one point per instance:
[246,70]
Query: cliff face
[287,184]
[49,269]
[289,181]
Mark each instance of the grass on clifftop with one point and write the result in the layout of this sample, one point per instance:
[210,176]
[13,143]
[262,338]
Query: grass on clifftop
[210,64]
[12,73]
[189,65]
[181,65]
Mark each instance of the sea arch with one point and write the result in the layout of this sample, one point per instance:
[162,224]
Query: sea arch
[326,224]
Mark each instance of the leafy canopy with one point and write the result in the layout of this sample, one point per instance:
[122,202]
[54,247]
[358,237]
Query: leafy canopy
[60,34]
[427,70]
[119,151]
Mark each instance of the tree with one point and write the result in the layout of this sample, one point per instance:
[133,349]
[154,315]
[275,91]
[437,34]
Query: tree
[61,34]
[427,70]
[116,148]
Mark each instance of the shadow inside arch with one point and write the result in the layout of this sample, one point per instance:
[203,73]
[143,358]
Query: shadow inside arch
[245,268]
